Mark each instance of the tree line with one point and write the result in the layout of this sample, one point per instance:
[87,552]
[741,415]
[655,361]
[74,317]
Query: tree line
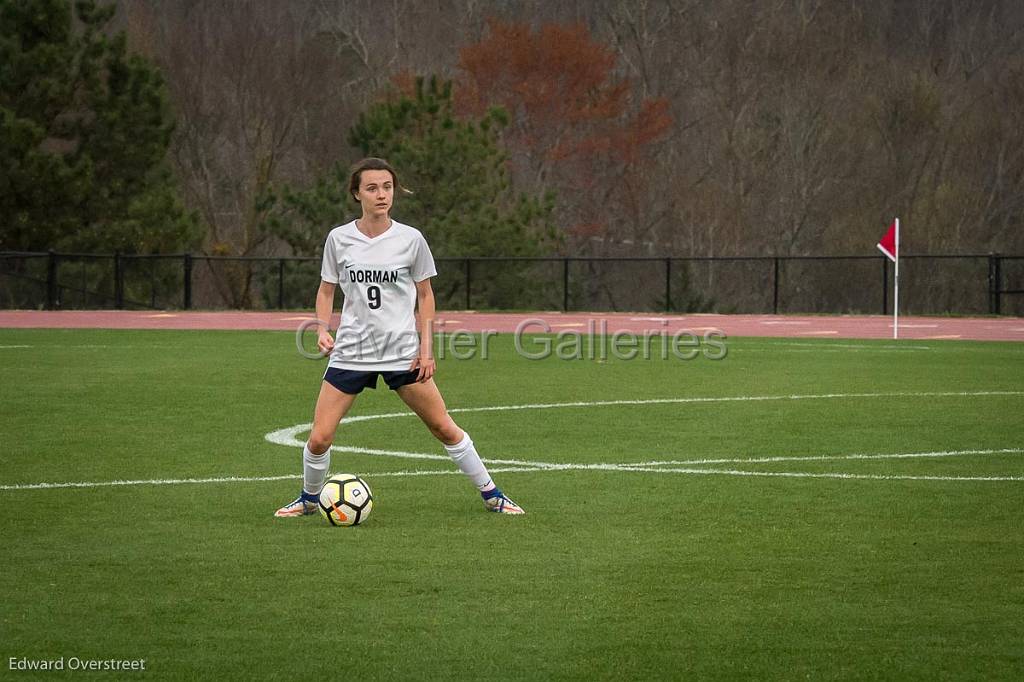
[584,127]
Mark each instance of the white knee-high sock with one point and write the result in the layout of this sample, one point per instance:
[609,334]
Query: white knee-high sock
[464,454]
[314,470]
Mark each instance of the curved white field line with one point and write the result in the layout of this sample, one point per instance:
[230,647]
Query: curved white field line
[288,435]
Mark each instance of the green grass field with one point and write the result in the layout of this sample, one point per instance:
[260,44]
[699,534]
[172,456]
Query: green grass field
[835,567]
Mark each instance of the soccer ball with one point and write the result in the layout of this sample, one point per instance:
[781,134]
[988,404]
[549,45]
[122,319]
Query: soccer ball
[345,500]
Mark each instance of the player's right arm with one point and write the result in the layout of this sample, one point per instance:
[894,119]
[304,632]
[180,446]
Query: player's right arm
[324,310]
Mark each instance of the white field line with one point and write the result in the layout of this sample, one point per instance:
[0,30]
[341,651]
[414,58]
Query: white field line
[689,462]
[151,481]
[655,467]
[849,345]
[288,435]
[803,474]
[227,479]
[528,466]
[776,474]
[119,346]
[661,319]
[742,349]
[831,458]
[634,468]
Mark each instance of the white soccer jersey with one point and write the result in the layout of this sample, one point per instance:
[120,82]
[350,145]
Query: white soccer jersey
[378,279]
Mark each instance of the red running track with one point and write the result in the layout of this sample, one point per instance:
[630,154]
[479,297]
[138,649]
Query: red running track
[790,326]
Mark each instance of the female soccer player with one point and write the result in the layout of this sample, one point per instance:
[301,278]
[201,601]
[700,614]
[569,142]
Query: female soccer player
[384,269]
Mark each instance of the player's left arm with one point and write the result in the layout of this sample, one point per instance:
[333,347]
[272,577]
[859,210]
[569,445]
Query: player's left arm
[425,321]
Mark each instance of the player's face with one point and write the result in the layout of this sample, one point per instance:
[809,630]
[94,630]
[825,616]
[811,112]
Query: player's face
[376,191]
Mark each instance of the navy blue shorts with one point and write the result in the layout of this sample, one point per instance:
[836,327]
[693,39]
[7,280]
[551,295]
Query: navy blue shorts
[353,382]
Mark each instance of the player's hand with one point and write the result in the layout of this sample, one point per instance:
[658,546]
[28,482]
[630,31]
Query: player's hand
[325,342]
[425,368]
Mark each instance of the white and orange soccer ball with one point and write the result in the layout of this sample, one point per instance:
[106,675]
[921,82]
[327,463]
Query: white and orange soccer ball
[345,500]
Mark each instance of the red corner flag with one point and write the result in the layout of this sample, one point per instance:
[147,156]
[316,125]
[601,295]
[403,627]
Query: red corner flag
[887,244]
[890,246]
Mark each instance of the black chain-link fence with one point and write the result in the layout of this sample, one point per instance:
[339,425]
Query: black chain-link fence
[929,284]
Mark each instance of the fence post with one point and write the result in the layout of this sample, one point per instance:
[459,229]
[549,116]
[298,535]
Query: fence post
[118,281]
[775,288]
[52,288]
[995,284]
[885,285]
[152,281]
[280,284]
[469,282]
[668,285]
[999,284]
[187,277]
[565,285]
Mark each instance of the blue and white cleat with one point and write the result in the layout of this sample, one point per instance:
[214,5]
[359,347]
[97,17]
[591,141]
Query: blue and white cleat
[495,501]
[303,505]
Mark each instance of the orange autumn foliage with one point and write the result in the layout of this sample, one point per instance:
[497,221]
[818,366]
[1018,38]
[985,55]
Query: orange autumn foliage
[559,87]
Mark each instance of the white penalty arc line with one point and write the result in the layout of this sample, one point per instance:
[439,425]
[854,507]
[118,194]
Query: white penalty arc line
[287,436]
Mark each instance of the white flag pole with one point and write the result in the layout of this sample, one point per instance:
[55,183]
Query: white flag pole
[896,288]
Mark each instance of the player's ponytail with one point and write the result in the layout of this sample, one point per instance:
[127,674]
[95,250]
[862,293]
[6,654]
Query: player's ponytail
[372,163]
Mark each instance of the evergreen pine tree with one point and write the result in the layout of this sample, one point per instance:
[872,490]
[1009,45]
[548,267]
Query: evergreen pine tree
[84,132]
[461,197]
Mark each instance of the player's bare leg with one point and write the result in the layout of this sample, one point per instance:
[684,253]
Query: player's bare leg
[425,400]
[331,407]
